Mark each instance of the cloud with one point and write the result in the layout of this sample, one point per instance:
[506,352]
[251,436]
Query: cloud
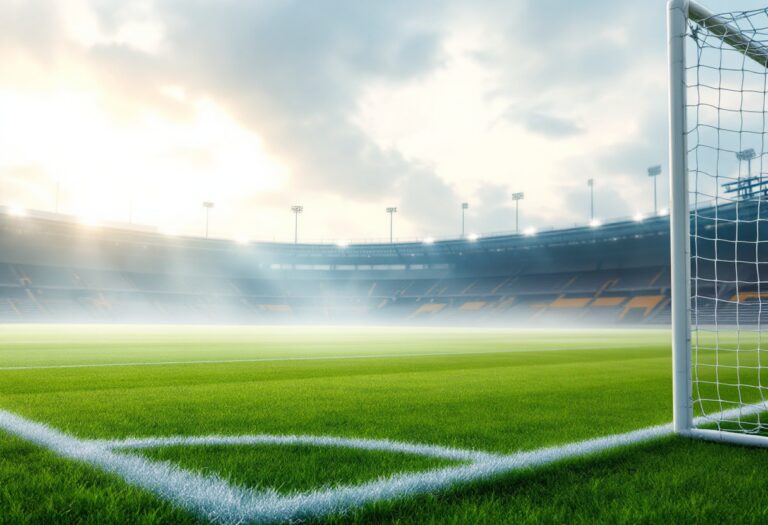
[33,27]
[293,72]
[429,203]
[585,82]
[29,183]
[490,209]
[552,126]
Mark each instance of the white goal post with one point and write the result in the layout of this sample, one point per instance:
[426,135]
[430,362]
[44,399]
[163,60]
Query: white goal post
[718,145]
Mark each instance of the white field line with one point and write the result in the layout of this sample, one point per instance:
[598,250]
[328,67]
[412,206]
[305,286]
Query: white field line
[383,445]
[304,358]
[221,502]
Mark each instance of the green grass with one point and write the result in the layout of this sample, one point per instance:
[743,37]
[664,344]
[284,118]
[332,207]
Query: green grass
[38,487]
[495,390]
[302,467]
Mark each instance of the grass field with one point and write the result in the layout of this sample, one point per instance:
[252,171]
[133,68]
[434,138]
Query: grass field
[498,391]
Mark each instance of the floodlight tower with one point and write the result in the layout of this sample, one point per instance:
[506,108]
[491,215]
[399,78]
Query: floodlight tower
[517,197]
[748,155]
[653,173]
[208,205]
[464,206]
[391,210]
[591,184]
[296,209]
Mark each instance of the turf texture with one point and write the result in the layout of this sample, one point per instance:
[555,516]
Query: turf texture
[492,390]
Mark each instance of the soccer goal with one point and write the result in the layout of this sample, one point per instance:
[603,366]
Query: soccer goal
[718,83]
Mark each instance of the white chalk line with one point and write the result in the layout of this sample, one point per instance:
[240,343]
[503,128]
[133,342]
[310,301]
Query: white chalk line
[304,358]
[222,502]
[383,445]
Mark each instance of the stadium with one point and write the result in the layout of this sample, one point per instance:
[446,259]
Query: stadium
[611,274]
[600,275]
[604,370]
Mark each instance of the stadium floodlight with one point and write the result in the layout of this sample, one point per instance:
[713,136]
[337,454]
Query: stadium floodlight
[342,243]
[594,223]
[639,217]
[473,237]
[745,155]
[17,211]
[517,197]
[391,210]
[716,302]
[208,205]
[591,184]
[429,240]
[296,209]
[663,212]
[653,173]
[530,231]
[464,207]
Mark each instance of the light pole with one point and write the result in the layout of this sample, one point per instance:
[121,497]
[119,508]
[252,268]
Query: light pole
[208,205]
[517,197]
[464,206]
[653,172]
[391,210]
[748,155]
[591,184]
[296,209]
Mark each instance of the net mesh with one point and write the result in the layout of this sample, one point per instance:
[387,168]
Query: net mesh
[727,87]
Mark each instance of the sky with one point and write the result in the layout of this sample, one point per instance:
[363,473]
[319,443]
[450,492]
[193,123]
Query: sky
[142,110]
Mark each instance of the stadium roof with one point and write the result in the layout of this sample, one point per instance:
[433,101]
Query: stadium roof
[340,254]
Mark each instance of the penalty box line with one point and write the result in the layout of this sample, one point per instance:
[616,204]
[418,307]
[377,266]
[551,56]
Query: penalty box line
[219,501]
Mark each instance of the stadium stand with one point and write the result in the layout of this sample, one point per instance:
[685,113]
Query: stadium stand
[54,269]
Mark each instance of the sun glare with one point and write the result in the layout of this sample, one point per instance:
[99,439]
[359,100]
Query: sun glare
[149,166]
[17,211]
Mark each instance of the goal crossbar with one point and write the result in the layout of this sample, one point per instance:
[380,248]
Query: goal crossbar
[728,33]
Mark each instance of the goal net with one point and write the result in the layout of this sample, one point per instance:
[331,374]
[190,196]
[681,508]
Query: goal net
[718,95]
